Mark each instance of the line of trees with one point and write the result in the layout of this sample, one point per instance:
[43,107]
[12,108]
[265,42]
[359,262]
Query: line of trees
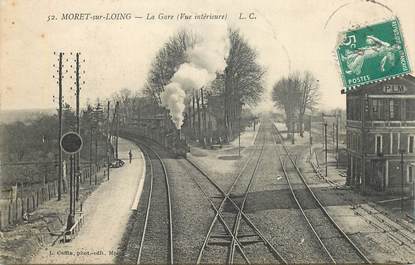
[296,94]
[35,141]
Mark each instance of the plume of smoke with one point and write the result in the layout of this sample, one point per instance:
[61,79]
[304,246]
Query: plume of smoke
[204,60]
[173,99]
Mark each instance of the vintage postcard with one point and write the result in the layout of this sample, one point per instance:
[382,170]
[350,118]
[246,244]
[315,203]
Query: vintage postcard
[207,132]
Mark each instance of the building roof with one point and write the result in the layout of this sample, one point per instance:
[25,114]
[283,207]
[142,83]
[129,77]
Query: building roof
[406,80]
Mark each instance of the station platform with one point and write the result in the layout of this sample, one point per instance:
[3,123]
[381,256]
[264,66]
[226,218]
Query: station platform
[107,211]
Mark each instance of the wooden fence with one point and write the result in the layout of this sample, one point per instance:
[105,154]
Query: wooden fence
[15,210]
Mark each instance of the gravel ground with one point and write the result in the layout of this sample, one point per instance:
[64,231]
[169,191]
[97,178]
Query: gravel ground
[191,213]
[213,253]
[271,209]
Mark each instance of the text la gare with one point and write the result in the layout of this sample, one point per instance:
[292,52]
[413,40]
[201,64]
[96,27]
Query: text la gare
[160,16]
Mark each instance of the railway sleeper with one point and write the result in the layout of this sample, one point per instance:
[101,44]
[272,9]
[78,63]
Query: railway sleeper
[253,241]
[378,216]
[392,229]
[217,197]
[220,236]
[331,237]
[370,222]
[396,240]
[219,242]
[236,195]
[247,235]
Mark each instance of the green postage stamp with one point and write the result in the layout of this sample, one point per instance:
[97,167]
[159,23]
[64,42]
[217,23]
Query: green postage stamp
[372,53]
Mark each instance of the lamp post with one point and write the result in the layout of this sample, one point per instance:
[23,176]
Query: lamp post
[402,151]
[325,145]
[310,136]
[98,121]
[90,154]
[239,136]
[413,190]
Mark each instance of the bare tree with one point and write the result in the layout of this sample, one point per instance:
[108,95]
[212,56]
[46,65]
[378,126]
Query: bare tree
[295,94]
[309,90]
[285,94]
[124,97]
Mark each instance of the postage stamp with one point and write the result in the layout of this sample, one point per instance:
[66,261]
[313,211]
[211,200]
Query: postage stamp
[373,53]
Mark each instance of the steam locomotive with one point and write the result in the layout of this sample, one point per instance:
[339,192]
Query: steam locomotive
[177,144]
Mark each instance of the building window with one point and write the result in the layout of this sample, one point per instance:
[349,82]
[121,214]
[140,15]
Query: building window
[375,105]
[391,109]
[410,175]
[378,144]
[375,115]
[394,109]
[411,144]
[410,109]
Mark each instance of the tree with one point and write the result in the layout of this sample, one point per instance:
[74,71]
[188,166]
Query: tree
[309,90]
[125,99]
[285,94]
[241,82]
[166,62]
[295,94]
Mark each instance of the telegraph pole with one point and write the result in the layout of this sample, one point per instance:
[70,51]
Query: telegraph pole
[70,190]
[293,131]
[239,111]
[96,153]
[365,108]
[107,141]
[402,151]
[194,113]
[199,125]
[325,144]
[117,105]
[322,126]
[337,141]
[90,153]
[203,115]
[190,116]
[71,143]
[310,138]
[60,128]
[78,129]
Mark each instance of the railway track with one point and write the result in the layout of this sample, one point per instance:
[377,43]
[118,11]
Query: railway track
[156,241]
[396,232]
[336,244]
[393,230]
[233,229]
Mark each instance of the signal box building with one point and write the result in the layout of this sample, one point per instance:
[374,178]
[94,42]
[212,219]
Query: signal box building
[381,125]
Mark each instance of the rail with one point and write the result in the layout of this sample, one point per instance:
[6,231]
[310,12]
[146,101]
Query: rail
[320,205]
[303,213]
[242,215]
[166,178]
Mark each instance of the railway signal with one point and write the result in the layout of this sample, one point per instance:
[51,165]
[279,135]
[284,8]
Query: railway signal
[71,143]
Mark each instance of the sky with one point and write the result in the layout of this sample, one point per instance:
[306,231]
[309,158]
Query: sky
[288,36]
